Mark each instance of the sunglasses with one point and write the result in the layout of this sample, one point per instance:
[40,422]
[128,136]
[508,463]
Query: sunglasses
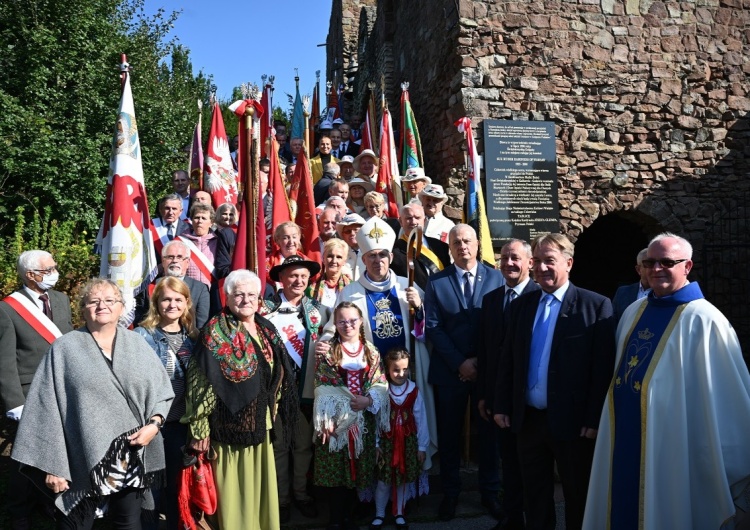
[666,263]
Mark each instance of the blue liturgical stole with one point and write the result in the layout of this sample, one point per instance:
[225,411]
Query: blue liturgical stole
[629,395]
[386,320]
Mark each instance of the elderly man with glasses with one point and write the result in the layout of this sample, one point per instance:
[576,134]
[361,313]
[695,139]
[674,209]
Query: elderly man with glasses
[672,445]
[31,318]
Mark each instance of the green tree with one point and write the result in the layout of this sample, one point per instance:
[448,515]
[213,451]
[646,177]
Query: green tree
[59,94]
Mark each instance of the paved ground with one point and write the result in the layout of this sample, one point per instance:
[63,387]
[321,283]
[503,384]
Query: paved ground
[423,514]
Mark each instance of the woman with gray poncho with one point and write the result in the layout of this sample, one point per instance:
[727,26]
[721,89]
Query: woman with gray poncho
[89,433]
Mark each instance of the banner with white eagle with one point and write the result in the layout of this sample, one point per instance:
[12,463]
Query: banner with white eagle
[219,176]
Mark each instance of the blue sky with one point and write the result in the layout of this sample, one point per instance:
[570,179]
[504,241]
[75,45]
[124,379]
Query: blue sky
[216,40]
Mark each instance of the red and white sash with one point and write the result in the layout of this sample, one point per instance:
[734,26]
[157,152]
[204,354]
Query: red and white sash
[159,234]
[34,316]
[198,258]
[292,332]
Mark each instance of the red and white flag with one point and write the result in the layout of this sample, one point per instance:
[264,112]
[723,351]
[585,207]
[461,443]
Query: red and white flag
[387,165]
[219,176]
[127,248]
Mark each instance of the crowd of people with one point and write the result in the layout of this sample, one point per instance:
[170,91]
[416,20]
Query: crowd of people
[345,379]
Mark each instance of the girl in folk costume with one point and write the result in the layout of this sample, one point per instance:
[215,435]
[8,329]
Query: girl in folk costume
[351,404]
[401,451]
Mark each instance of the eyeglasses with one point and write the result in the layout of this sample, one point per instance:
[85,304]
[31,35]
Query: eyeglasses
[46,271]
[174,258]
[383,254]
[666,263]
[245,296]
[109,302]
[347,323]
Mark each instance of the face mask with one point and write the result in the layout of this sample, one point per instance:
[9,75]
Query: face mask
[48,281]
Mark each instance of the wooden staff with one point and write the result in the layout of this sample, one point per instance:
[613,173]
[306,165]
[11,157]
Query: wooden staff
[252,189]
[413,251]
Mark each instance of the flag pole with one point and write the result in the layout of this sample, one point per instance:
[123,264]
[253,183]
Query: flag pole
[250,179]
[306,114]
[124,71]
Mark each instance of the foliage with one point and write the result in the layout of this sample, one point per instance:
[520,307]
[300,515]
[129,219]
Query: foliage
[72,249]
[60,92]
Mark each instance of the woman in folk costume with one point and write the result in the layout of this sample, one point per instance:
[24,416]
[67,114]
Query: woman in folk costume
[332,278]
[401,450]
[239,378]
[90,427]
[385,300]
[351,404]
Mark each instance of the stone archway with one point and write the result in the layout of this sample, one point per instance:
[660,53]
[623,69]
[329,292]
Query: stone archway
[605,251]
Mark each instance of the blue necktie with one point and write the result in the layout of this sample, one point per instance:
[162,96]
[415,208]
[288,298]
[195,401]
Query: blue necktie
[538,339]
[467,289]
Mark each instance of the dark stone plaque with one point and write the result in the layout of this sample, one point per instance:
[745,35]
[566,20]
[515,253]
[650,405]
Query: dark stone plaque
[521,179]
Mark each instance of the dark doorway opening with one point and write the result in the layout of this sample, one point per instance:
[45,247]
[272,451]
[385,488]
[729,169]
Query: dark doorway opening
[605,252]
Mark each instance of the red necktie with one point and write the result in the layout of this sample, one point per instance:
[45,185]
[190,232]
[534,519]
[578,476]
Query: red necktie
[47,309]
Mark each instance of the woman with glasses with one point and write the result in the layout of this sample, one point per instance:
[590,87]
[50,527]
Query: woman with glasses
[90,426]
[351,404]
[375,207]
[239,379]
[169,328]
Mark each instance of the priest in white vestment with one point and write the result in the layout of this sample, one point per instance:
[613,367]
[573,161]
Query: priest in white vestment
[672,449]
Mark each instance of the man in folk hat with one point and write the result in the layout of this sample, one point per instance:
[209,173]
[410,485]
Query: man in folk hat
[437,225]
[384,299]
[415,181]
[298,318]
[347,229]
[366,166]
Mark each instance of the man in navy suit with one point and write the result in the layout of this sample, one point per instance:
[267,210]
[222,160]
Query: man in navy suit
[627,294]
[556,364]
[453,301]
[515,263]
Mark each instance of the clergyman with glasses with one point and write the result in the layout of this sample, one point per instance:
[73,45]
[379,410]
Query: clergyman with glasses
[672,445]
[31,318]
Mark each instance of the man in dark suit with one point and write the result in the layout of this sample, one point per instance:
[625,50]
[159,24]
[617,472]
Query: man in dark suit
[30,319]
[453,301]
[556,364]
[169,224]
[515,263]
[348,147]
[435,254]
[627,294]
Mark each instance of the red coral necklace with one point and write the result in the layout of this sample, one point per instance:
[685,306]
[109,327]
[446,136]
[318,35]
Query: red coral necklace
[352,353]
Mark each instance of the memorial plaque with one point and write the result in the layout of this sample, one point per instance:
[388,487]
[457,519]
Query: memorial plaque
[521,179]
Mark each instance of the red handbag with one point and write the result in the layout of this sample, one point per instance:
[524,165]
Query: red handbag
[197,491]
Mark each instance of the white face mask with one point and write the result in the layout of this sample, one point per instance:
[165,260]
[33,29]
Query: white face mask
[48,281]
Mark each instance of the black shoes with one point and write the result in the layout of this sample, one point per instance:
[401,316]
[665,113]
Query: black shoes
[494,507]
[285,513]
[307,508]
[447,510]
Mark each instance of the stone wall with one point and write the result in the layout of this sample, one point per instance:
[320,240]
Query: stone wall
[650,99]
